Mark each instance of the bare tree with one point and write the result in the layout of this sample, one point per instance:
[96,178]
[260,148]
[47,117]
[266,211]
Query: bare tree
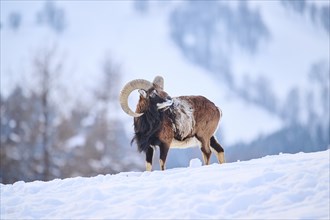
[108,129]
[111,75]
[47,70]
[107,96]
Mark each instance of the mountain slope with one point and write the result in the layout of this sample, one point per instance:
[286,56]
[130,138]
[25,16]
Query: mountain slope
[281,186]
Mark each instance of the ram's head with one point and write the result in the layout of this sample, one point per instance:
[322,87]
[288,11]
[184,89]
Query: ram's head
[151,94]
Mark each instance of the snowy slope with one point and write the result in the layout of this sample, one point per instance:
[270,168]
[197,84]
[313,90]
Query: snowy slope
[277,187]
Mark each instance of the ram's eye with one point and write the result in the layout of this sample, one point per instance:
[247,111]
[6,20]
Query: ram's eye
[153,94]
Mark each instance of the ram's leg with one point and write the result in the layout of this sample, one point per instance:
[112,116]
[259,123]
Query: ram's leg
[219,152]
[163,148]
[206,151]
[206,156]
[149,155]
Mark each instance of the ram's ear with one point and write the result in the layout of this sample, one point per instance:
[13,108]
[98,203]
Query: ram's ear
[159,81]
[143,93]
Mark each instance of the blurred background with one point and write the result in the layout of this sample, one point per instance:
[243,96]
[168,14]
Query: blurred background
[63,64]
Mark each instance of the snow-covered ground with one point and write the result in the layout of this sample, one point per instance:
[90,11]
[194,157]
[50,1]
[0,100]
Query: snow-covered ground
[285,186]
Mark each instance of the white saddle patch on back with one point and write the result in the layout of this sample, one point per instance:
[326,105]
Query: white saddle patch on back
[184,121]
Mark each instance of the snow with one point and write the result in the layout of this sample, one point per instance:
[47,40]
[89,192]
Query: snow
[195,163]
[76,141]
[290,186]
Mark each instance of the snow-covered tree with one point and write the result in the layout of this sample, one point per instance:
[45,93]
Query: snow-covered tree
[53,16]
[14,20]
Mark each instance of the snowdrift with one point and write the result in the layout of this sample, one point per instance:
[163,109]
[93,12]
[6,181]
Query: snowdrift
[276,187]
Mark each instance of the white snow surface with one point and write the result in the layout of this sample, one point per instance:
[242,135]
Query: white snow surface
[285,186]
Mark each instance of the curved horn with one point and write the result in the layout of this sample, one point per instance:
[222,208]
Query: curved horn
[159,81]
[127,90]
